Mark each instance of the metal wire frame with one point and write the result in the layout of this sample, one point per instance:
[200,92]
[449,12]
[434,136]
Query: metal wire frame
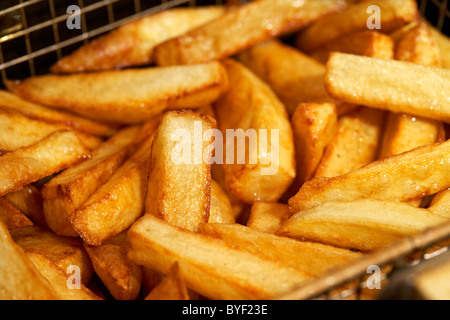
[405,252]
[85,35]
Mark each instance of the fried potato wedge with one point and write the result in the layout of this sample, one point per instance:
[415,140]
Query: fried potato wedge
[19,278]
[315,126]
[294,76]
[171,288]
[355,143]
[220,210]
[62,251]
[310,257]
[122,277]
[179,188]
[268,217]
[441,203]
[267,172]
[365,224]
[365,43]
[443,43]
[17,131]
[403,131]
[132,44]
[11,217]
[393,15]
[127,96]
[60,280]
[209,266]
[240,28]
[29,202]
[117,203]
[388,84]
[66,192]
[53,116]
[218,175]
[46,157]
[403,177]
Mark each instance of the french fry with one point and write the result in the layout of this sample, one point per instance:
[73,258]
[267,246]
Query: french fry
[53,116]
[19,278]
[127,96]
[132,44]
[11,217]
[405,132]
[17,131]
[59,279]
[171,288]
[268,217]
[365,43]
[46,157]
[218,175]
[66,192]
[393,15]
[441,203]
[403,177]
[209,266]
[310,257]
[179,188]
[240,28]
[221,210]
[29,202]
[116,204]
[443,43]
[268,172]
[355,143]
[365,224]
[62,251]
[389,84]
[294,76]
[122,277]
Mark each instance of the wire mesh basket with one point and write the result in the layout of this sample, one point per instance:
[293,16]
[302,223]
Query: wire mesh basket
[34,34]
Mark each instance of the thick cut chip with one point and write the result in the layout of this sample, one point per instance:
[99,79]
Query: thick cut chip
[240,28]
[44,158]
[355,143]
[116,204]
[66,192]
[122,277]
[172,287]
[441,203]
[29,202]
[132,44]
[313,258]
[179,188]
[392,14]
[17,131]
[390,85]
[294,76]
[314,127]
[64,252]
[127,96]
[209,266]
[403,177]
[59,117]
[220,210]
[11,217]
[254,171]
[403,131]
[364,224]
[443,43]
[268,217]
[366,43]
[19,278]
[66,288]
